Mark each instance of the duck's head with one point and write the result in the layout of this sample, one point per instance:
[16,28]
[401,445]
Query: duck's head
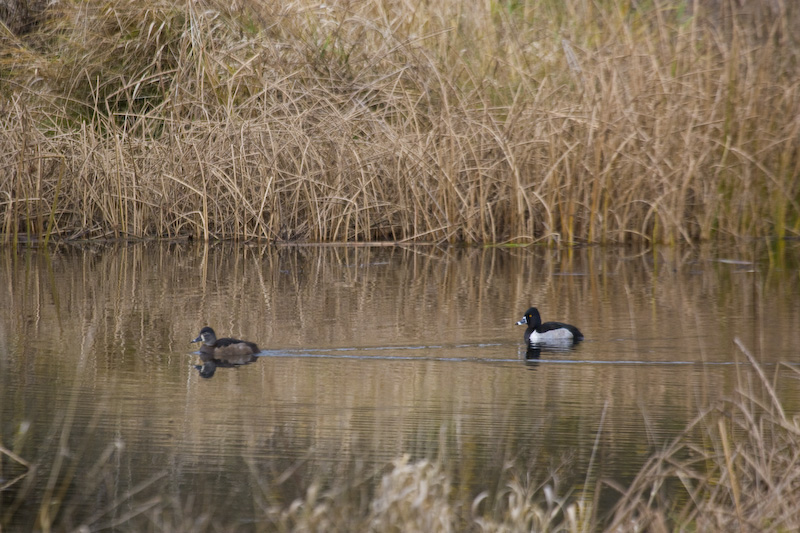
[531,318]
[207,336]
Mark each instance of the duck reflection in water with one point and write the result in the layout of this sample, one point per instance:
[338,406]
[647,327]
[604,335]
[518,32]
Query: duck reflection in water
[223,353]
[533,352]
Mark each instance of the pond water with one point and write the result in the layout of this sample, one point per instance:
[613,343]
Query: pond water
[368,353]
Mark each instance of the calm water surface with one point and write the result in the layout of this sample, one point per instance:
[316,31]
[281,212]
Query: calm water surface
[368,354]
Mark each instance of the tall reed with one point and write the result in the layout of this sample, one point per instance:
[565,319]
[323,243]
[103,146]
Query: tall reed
[377,120]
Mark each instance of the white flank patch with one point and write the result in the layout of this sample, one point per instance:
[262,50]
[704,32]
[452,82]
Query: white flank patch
[553,334]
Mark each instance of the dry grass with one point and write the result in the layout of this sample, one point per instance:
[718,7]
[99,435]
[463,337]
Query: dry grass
[735,468]
[342,121]
[417,496]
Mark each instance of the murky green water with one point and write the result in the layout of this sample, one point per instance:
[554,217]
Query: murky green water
[367,354]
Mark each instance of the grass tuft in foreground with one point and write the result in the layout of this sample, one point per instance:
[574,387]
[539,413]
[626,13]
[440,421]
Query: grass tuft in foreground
[417,496]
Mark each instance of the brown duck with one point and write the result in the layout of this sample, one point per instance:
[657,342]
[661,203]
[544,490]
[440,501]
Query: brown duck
[225,352]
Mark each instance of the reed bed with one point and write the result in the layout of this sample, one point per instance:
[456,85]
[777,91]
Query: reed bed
[453,121]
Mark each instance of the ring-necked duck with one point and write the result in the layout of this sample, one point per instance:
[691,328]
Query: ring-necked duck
[227,349]
[222,353]
[539,332]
